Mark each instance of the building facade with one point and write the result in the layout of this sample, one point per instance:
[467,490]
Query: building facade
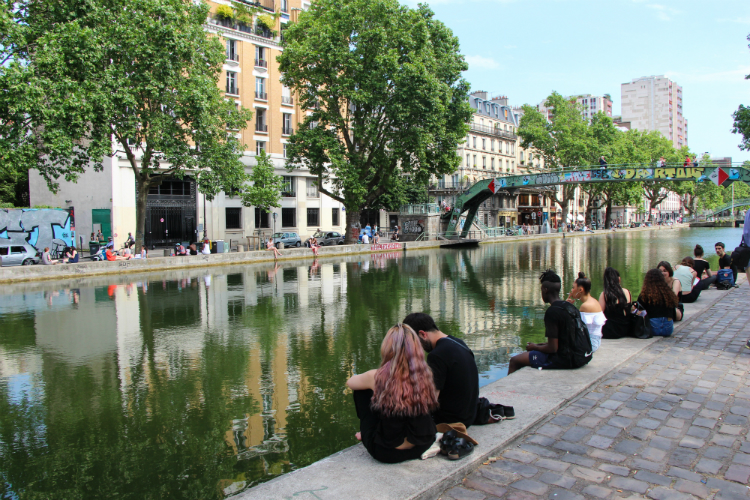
[655,103]
[176,211]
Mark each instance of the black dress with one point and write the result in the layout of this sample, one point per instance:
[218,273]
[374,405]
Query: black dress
[618,322]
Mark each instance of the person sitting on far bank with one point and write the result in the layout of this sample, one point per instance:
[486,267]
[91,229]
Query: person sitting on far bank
[111,255]
[365,238]
[615,303]
[591,311]
[702,267]
[271,246]
[666,269]
[725,259]
[453,368]
[193,249]
[47,259]
[144,252]
[394,402]
[71,256]
[206,248]
[660,303]
[560,351]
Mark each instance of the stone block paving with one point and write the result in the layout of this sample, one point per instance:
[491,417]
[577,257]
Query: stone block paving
[670,424]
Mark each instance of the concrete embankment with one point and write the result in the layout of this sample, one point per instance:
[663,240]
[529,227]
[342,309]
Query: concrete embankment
[536,396]
[159,264]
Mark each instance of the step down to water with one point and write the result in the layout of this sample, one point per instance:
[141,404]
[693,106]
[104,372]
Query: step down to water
[459,243]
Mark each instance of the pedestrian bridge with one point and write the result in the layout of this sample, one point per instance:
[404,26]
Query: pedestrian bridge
[742,202]
[470,200]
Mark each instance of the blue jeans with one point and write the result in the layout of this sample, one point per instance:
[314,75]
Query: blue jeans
[661,327]
[596,341]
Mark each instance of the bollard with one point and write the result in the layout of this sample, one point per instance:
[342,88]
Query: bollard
[167,252]
[240,248]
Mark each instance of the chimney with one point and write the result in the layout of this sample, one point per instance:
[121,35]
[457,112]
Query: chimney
[482,94]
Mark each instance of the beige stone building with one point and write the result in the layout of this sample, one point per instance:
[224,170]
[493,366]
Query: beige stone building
[655,103]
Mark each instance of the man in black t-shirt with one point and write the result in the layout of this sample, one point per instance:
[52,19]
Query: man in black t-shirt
[453,368]
[556,325]
[725,259]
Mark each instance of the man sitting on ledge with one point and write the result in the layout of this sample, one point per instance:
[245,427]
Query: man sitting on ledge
[454,371]
[566,346]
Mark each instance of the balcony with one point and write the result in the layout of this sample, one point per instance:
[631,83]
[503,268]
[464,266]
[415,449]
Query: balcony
[260,127]
[235,58]
[289,101]
[261,96]
[263,32]
[233,90]
[287,130]
[261,63]
[264,4]
[485,129]
[288,194]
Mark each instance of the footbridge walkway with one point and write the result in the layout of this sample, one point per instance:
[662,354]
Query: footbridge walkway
[472,198]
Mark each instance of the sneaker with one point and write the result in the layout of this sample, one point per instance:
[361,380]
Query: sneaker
[460,449]
[509,412]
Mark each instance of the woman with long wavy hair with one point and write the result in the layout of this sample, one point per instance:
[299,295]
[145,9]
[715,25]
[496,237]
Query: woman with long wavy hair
[394,402]
[660,303]
[614,301]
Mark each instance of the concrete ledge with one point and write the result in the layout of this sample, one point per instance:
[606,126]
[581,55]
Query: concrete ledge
[535,395]
[159,264]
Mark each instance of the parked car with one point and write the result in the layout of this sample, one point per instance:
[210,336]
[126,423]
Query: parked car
[288,239]
[18,255]
[327,238]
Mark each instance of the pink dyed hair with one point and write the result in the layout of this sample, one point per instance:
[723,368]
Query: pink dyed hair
[403,384]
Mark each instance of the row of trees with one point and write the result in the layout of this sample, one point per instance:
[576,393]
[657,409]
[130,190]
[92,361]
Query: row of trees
[569,140]
[81,80]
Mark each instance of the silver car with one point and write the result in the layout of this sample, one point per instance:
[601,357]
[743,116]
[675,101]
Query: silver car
[18,255]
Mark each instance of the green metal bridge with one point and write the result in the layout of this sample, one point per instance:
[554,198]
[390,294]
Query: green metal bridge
[470,200]
[742,202]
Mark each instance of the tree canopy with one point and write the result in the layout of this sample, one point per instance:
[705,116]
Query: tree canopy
[143,73]
[742,121]
[386,104]
[265,186]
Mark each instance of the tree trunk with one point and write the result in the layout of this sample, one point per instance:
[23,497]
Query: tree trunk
[607,214]
[141,196]
[352,226]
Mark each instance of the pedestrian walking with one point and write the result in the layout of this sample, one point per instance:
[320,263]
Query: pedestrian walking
[602,162]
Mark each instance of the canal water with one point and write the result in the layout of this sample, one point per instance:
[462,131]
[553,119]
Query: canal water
[200,383]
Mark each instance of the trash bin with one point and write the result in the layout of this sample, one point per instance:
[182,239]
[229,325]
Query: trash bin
[217,246]
[94,247]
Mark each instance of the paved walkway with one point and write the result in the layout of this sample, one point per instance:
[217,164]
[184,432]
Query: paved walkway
[670,424]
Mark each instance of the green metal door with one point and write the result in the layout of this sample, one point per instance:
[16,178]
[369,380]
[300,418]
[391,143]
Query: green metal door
[102,216]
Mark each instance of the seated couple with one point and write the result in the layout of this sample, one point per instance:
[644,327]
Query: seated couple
[400,403]
[568,342]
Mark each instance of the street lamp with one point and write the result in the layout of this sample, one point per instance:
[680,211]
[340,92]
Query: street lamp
[274,222]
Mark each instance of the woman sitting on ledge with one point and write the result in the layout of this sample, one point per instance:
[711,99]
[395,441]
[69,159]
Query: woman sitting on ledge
[395,401]
[660,303]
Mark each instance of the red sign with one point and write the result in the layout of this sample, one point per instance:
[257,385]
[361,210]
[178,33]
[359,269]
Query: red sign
[491,186]
[719,176]
[385,246]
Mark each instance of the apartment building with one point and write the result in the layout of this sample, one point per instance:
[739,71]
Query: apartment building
[176,211]
[590,104]
[655,103]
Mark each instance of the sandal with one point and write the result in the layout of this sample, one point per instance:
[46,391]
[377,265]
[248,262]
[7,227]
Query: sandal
[447,441]
[460,449]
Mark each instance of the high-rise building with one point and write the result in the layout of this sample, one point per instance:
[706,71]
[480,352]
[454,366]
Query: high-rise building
[655,103]
[591,104]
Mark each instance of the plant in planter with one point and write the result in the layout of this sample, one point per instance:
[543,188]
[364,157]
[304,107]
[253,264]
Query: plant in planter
[224,12]
[266,21]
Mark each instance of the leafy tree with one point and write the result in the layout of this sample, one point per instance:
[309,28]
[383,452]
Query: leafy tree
[742,122]
[140,72]
[265,187]
[384,94]
[564,142]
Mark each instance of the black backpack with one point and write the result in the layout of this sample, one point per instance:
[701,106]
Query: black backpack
[574,346]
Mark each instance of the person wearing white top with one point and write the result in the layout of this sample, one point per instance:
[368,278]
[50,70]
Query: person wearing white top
[591,310]
[206,250]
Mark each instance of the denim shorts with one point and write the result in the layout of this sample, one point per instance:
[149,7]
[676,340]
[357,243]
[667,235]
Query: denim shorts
[661,327]
[539,359]
[596,341]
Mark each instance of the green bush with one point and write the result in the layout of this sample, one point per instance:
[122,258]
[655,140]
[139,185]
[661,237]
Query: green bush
[225,12]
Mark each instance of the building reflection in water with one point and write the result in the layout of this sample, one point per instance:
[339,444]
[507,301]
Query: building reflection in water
[200,383]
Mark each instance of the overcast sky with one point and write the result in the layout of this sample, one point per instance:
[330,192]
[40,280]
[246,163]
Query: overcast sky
[525,49]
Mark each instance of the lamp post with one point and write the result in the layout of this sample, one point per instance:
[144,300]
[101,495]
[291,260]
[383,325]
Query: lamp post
[274,222]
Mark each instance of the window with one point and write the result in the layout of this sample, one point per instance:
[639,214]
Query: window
[285,149]
[492,163]
[260,147]
[260,120]
[507,148]
[475,161]
[334,216]
[260,57]
[288,217]
[468,160]
[287,188]
[232,54]
[313,217]
[234,218]
[17,250]
[260,89]
[492,144]
[261,219]
[286,96]
[484,162]
[484,143]
[312,190]
[286,125]
[284,5]
[475,142]
[4,250]
[232,83]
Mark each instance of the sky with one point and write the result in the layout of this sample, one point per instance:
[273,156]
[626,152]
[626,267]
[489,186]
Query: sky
[526,49]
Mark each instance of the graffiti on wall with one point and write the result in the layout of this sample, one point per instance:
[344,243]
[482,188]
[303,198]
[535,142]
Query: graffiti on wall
[413,226]
[38,227]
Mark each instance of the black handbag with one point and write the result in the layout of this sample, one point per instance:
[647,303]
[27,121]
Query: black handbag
[741,256]
[640,326]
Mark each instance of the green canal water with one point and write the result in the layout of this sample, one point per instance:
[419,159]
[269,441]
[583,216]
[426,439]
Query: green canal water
[198,384]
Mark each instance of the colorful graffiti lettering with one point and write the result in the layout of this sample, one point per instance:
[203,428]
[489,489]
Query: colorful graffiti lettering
[578,176]
[413,226]
[38,227]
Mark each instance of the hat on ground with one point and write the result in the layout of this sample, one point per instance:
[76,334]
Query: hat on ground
[460,429]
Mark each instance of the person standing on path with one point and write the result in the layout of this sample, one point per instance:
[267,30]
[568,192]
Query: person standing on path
[453,368]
